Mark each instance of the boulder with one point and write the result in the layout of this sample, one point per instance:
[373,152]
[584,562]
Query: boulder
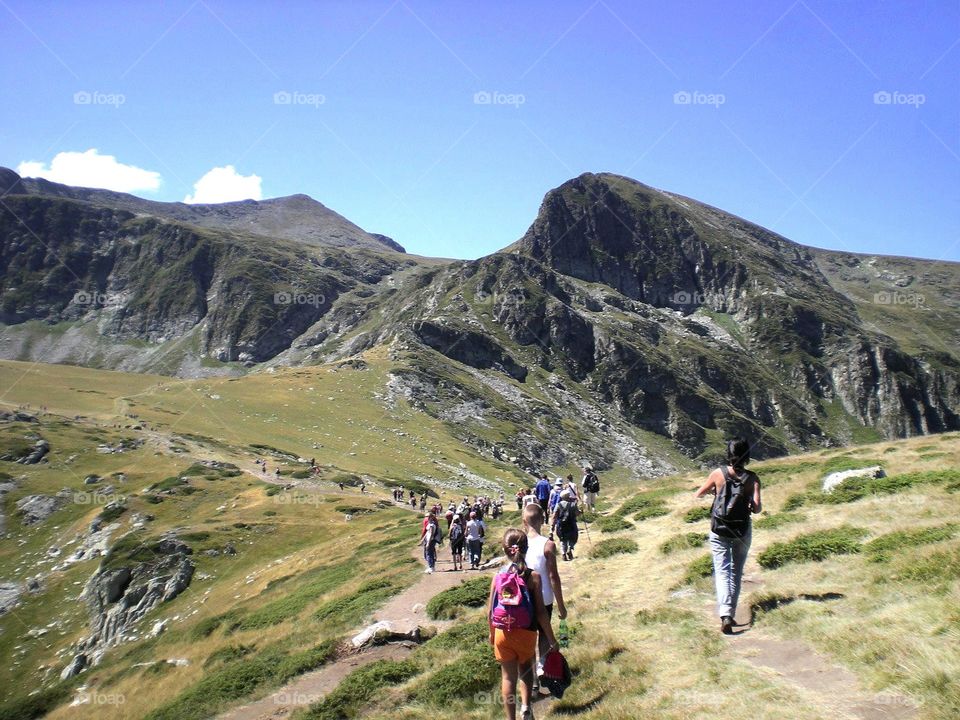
[37,508]
[833,479]
[40,449]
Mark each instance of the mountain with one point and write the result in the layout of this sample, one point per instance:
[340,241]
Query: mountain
[299,218]
[628,326]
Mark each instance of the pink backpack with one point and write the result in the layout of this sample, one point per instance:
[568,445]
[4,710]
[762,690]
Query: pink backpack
[512,602]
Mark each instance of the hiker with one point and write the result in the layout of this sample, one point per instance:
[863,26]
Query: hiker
[423,502]
[457,536]
[278,473]
[430,538]
[737,495]
[555,495]
[591,486]
[542,557]
[520,493]
[542,491]
[515,611]
[572,486]
[475,532]
[529,497]
[565,523]
[341,486]
[363,487]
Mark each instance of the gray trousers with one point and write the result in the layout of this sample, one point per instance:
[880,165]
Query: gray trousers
[729,557]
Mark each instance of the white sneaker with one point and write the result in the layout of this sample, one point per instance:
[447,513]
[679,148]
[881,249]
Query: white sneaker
[429,571]
[526,713]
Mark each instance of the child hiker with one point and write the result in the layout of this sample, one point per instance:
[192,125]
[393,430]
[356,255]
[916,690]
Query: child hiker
[516,610]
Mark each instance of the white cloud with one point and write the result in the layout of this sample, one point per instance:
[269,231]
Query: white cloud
[91,169]
[225,184]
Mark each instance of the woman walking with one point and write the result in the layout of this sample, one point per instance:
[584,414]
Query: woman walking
[737,495]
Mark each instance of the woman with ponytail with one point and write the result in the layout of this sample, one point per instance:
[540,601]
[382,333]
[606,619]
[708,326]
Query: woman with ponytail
[737,492]
[516,610]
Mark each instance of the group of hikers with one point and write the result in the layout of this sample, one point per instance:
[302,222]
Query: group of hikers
[525,589]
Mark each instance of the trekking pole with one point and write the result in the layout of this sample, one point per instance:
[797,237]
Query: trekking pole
[586,529]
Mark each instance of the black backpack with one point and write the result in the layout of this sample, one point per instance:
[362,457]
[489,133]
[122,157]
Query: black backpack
[731,506]
[593,483]
[567,517]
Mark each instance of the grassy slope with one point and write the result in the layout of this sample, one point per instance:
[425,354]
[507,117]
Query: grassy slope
[659,651]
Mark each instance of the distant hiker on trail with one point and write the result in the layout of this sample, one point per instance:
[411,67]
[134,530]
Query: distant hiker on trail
[542,491]
[515,611]
[475,532]
[555,495]
[529,497]
[591,488]
[278,473]
[572,486]
[520,493]
[565,523]
[542,557]
[737,492]
[423,502]
[341,486]
[363,487]
[430,538]
[457,536]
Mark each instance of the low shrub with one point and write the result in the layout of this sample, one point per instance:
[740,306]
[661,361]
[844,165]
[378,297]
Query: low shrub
[651,512]
[663,615]
[777,520]
[612,524]
[882,549]
[700,568]
[613,546]
[357,689]
[696,514]
[685,541]
[815,546]
[470,593]
[474,672]
[354,607]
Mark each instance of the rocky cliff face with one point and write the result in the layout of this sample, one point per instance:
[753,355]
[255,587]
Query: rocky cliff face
[623,313]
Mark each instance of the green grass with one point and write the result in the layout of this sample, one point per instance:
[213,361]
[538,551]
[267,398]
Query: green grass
[316,584]
[447,604]
[696,514]
[777,520]
[653,511]
[700,568]
[883,548]
[813,547]
[854,489]
[843,462]
[241,678]
[686,541]
[473,672]
[358,688]
[613,523]
[613,546]
[354,607]
[937,568]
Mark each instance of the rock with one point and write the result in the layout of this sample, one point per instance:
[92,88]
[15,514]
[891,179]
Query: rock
[178,662]
[158,627]
[40,449]
[37,508]
[75,666]
[18,416]
[229,549]
[91,479]
[9,596]
[211,552]
[833,479]
[368,633]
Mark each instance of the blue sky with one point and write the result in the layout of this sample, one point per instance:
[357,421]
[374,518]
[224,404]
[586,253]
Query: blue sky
[442,124]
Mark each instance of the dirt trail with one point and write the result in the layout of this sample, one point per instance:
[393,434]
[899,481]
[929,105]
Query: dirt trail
[827,684]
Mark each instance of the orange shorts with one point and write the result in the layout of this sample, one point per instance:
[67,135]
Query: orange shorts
[519,645]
